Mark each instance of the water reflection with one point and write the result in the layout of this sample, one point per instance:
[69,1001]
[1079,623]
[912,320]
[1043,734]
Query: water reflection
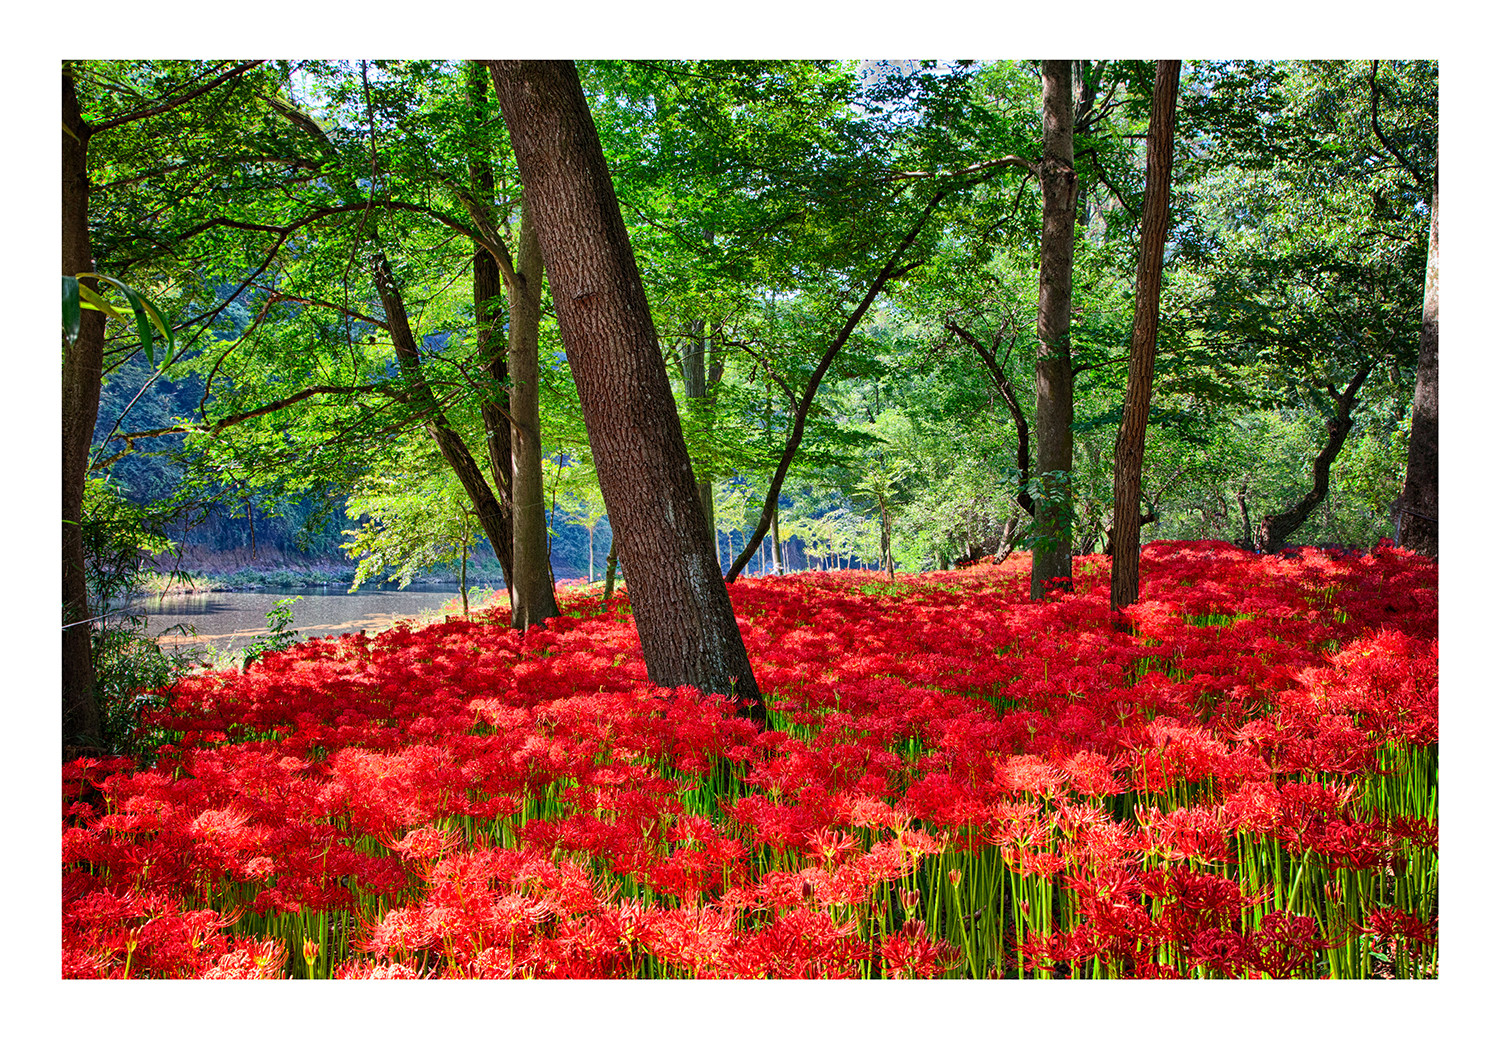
[232,620]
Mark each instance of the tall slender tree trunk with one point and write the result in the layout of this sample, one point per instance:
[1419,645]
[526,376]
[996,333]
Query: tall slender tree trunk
[1052,559]
[83,364]
[611,564]
[778,550]
[698,378]
[1130,445]
[488,317]
[1418,503]
[532,599]
[463,571]
[681,607]
[886,558]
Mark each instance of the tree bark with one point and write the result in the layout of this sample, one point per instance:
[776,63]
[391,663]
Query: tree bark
[1007,539]
[886,558]
[1130,445]
[487,288]
[488,315]
[83,365]
[1052,557]
[1272,534]
[1418,504]
[1242,496]
[532,599]
[687,628]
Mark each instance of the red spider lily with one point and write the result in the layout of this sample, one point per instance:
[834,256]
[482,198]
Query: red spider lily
[1393,923]
[559,817]
[912,953]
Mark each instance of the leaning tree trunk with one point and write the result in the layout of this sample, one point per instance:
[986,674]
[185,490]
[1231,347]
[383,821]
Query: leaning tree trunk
[1052,558]
[532,599]
[681,607]
[1418,504]
[493,517]
[83,363]
[1130,445]
[1272,534]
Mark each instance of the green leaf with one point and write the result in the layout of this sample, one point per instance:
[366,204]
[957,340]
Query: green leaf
[93,301]
[146,316]
[72,316]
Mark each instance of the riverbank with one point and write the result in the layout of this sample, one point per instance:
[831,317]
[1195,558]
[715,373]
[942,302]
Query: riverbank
[197,571]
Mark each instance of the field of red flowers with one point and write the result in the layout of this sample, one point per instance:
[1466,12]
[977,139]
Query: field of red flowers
[956,782]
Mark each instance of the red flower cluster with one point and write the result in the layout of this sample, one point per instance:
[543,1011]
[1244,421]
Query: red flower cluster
[956,781]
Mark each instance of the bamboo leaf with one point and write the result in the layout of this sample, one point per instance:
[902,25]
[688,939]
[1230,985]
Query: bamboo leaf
[145,312]
[91,300]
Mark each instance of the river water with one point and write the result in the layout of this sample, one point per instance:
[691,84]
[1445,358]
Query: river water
[228,621]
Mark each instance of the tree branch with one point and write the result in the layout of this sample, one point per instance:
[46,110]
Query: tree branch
[1008,394]
[174,102]
[799,423]
[232,420]
[1375,122]
[967,171]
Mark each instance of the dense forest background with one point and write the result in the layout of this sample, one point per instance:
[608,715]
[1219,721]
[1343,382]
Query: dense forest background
[763,199]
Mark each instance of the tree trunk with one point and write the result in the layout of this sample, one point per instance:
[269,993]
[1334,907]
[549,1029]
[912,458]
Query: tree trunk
[492,516]
[1418,503]
[463,572]
[886,558]
[1052,558]
[681,607]
[488,316]
[611,562]
[697,379]
[83,363]
[1276,528]
[1242,496]
[487,287]
[1130,445]
[778,551]
[1007,539]
[532,599]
